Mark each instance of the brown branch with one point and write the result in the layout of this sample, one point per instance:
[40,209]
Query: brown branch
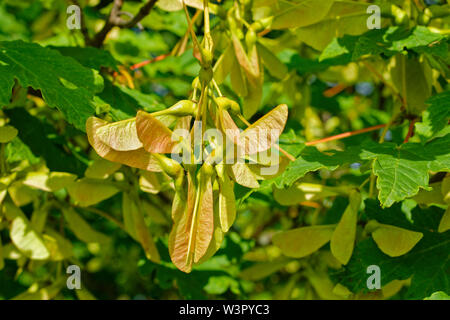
[410,130]
[114,20]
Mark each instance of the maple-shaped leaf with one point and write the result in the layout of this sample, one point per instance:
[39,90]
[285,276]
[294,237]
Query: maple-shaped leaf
[401,170]
[388,41]
[427,264]
[435,118]
[65,84]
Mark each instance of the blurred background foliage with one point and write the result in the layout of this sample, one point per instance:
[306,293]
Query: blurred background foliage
[325,97]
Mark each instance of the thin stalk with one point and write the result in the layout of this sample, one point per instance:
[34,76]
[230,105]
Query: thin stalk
[345,135]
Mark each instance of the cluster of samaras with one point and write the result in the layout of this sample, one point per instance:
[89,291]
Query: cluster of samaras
[204,203]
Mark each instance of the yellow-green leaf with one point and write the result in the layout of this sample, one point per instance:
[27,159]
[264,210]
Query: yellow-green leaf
[261,270]
[27,240]
[305,192]
[7,133]
[101,169]
[2,261]
[49,181]
[86,192]
[395,241]
[59,247]
[444,225]
[343,238]
[416,92]
[82,229]
[300,13]
[137,228]
[299,243]
[227,205]
[275,67]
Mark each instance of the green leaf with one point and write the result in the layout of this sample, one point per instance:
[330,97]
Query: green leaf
[300,13]
[82,229]
[275,67]
[125,102]
[438,296]
[395,241]
[42,140]
[310,159]
[86,192]
[137,228]
[89,57]
[427,264]
[27,240]
[403,170]
[261,270]
[389,42]
[416,92]
[7,133]
[344,17]
[436,117]
[343,238]
[65,84]
[301,242]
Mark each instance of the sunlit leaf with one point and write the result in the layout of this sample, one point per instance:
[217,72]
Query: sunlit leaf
[301,242]
[343,239]
[86,191]
[7,133]
[395,241]
[82,229]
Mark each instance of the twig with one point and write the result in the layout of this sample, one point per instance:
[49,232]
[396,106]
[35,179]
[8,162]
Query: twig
[345,135]
[114,20]
[410,130]
[329,93]
[146,62]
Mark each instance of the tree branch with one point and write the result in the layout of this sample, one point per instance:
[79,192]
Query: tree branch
[114,20]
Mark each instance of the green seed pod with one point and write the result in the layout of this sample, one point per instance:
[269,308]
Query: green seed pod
[206,75]
[266,22]
[228,105]
[257,26]
[207,169]
[207,58]
[250,38]
[179,183]
[169,166]
[183,108]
